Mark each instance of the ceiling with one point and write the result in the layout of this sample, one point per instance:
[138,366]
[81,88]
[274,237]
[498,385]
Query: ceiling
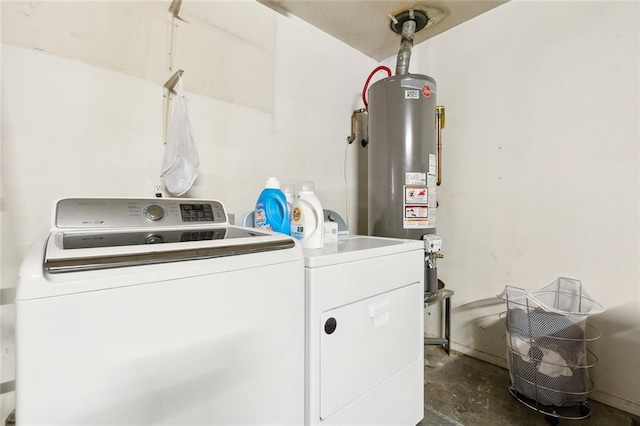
[365,24]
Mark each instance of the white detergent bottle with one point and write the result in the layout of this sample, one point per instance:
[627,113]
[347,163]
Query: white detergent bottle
[289,190]
[307,218]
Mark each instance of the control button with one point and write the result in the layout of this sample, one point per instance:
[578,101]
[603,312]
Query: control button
[154,239]
[332,217]
[330,325]
[154,212]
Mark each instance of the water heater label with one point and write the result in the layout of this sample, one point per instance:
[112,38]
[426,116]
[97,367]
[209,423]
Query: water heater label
[419,204]
[416,217]
[413,178]
[412,94]
[433,165]
[417,207]
[416,195]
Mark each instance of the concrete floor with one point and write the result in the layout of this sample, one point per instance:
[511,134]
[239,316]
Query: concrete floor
[464,390]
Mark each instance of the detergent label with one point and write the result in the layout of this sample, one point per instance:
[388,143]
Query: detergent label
[260,217]
[296,214]
[297,227]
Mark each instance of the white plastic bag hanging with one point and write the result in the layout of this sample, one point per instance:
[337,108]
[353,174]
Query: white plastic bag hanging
[181,156]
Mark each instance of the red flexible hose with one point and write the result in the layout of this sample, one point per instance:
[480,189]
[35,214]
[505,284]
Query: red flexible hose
[366,85]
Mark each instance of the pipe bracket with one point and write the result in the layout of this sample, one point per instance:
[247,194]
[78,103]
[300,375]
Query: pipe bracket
[419,17]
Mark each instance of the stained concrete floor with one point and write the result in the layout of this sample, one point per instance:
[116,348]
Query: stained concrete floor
[464,390]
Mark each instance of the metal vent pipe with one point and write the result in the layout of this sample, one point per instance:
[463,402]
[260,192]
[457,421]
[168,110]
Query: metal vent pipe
[406,44]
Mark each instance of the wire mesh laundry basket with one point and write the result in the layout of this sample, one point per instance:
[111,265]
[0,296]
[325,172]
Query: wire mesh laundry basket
[547,353]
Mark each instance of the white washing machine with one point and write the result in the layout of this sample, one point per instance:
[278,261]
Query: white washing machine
[365,353]
[157,311]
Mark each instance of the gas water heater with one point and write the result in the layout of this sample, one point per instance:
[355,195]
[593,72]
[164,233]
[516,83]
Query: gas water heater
[404,132]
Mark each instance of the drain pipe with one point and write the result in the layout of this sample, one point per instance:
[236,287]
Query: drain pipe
[406,44]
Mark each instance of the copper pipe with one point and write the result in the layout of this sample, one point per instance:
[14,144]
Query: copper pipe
[439,126]
[351,138]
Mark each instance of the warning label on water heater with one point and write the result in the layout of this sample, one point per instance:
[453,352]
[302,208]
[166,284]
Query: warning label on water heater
[416,195]
[419,202]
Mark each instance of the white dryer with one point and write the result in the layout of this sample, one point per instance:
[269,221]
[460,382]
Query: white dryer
[365,353]
[157,311]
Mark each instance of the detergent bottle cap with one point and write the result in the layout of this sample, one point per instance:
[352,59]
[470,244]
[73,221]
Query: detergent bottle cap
[289,189]
[272,183]
[306,186]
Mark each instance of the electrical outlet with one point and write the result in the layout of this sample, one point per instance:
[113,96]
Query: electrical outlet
[158,191]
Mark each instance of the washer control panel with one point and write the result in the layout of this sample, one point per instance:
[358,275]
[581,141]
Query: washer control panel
[100,213]
[197,213]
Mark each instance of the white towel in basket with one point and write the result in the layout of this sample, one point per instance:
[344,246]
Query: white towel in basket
[552,363]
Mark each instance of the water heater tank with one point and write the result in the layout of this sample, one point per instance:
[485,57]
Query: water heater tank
[402,156]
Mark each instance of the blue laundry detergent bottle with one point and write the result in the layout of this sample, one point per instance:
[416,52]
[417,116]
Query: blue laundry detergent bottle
[271,210]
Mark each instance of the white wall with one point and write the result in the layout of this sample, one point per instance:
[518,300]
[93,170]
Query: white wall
[541,170]
[73,126]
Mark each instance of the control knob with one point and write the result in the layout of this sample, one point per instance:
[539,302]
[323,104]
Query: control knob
[153,212]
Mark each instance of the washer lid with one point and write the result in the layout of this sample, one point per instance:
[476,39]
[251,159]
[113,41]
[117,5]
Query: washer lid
[94,233]
[357,248]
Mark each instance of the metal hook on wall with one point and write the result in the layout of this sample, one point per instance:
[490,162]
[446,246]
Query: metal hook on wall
[174,10]
[168,87]
[167,90]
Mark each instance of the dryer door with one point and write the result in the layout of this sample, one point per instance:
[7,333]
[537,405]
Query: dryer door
[367,342]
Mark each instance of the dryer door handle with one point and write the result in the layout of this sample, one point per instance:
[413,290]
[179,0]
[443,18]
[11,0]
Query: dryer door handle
[380,312]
